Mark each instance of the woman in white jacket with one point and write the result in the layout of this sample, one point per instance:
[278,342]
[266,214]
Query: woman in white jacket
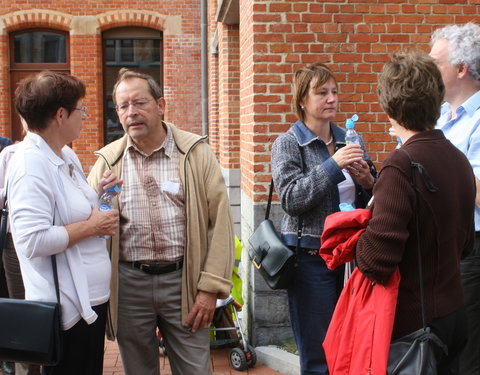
[53,212]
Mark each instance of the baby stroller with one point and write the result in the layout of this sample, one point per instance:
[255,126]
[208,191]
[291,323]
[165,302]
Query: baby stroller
[227,331]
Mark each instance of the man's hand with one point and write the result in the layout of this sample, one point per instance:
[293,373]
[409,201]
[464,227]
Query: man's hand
[201,315]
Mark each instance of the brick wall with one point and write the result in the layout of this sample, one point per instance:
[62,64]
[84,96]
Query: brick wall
[229,105]
[353,37]
[213,89]
[85,20]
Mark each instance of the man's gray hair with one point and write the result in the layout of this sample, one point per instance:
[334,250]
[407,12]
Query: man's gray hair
[464,45]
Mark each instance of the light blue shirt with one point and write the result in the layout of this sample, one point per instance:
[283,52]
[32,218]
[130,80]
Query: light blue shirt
[464,133]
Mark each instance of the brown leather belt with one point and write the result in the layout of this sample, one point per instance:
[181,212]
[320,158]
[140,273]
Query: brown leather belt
[153,268]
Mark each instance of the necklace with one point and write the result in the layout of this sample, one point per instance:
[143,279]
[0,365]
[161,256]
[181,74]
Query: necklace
[329,142]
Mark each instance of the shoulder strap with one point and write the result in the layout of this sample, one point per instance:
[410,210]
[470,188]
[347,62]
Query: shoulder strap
[432,188]
[269,204]
[4,220]
[54,266]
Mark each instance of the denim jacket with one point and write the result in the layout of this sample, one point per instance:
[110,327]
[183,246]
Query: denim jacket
[306,178]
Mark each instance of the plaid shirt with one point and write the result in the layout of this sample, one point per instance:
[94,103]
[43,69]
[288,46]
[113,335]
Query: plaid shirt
[152,205]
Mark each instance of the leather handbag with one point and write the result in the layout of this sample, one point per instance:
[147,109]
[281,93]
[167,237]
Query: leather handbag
[271,257]
[30,330]
[418,352]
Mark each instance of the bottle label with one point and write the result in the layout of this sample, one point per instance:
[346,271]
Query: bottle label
[105,207]
[354,141]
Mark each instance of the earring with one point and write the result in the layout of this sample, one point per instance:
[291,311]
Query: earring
[302,107]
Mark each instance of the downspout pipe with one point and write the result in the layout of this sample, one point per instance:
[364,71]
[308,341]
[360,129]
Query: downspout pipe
[204,65]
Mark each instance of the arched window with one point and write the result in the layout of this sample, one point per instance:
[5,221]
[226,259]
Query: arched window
[137,48]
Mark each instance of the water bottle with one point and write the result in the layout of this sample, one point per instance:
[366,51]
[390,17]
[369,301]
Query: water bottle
[351,137]
[106,200]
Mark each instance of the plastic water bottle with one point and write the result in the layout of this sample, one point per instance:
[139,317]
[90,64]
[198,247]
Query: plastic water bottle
[351,137]
[106,200]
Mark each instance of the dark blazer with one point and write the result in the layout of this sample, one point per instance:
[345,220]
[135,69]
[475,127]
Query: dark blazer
[446,228]
[4,142]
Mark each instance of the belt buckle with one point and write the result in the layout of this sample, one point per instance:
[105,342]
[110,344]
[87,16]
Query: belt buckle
[144,267]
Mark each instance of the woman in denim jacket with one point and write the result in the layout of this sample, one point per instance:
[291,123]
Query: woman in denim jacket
[313,171]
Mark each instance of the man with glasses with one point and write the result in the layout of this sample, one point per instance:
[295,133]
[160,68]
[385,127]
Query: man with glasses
[173,256]
[456,50]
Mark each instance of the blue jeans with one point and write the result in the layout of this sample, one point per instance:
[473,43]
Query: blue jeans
[312,299]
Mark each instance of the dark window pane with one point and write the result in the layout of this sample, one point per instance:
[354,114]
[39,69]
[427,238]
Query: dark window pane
[110,50]
[126,51]
[140,54]
[40,47]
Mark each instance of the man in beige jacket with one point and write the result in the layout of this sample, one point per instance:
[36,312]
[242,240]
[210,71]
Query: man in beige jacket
[174,253]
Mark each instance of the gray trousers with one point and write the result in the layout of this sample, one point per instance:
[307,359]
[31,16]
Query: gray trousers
[16,290]
[145,302]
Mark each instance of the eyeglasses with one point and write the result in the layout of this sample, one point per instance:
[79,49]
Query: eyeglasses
[82,109]
[139,104]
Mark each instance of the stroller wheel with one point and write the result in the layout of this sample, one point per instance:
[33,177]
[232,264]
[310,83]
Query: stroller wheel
[251,356]
[238,359]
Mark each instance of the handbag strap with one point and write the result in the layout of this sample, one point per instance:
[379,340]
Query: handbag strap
[432,188]
[3,229]
[55,277]
[54,267]
[269,204]
[300,219]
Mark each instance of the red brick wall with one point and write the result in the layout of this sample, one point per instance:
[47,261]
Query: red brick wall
[353,37]
[180,21]
[212,79]
[229,100]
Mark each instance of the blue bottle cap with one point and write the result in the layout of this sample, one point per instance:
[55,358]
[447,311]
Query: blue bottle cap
[114,189]
[350,123]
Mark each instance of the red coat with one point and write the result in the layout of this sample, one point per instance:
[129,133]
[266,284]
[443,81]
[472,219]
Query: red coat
[340,235]
[359,335]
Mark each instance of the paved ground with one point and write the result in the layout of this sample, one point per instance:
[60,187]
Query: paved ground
[220,364]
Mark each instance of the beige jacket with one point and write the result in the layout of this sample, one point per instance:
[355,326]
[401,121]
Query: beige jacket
[209,249]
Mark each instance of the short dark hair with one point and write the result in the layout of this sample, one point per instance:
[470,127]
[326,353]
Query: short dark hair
[39,96]
[317,73]
[126,74]
[411,90]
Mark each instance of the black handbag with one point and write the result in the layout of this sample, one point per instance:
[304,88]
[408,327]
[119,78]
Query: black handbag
[30,331]
[271,257]
[418,352]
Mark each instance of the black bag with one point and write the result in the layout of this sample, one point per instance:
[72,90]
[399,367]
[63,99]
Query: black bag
[30,331]
[271,257]
[418,352]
